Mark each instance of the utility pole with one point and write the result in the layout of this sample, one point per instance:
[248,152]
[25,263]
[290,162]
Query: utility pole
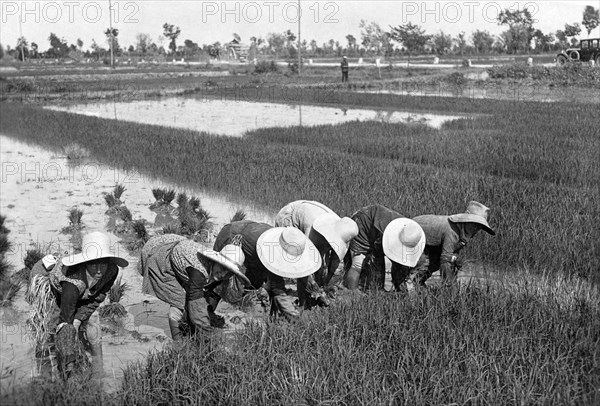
[112,56]
[21,38]
[299,42]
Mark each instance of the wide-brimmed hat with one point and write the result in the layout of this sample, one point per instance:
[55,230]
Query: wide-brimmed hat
[94,245]
[337,231]
[287,252]
[475,213]
[231,257]
[403,241]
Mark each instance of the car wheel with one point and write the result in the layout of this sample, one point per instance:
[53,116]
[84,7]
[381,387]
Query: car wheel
[561,59]
[574,55]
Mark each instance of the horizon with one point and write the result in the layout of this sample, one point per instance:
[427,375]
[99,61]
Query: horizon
[206,22]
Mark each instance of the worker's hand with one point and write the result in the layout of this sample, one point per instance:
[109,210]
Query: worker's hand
[458,262]
[215,319]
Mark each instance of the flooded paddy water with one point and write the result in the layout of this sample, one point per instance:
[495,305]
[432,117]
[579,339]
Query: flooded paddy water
[38,189]
[235,118]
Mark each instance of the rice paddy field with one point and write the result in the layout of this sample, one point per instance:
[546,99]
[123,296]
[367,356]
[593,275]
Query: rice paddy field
[527,335]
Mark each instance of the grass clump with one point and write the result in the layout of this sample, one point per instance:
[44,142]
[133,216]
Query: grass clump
[74,216]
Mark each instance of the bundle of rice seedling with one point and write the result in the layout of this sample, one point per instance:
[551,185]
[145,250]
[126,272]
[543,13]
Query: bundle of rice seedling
[70,352]
[32,256]
[158,194]
[239,215]
[3,229]
[75,216]
[172,228]
[141,235]
[41,305]
[125,214]
[111,201]
[169,196]
[115,310]
[118,191]
[4,244]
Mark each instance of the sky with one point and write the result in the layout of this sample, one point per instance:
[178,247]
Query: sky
[206,22]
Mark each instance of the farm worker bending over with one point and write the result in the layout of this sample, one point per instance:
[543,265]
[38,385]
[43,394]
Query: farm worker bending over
[330,234]
[270,254]
[382,232]
[446,237]
[176,272]
[64,294]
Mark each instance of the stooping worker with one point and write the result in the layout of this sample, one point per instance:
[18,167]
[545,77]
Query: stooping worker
[64,294]
[330,234]
[270,254]
[446,237]
[382,232]
[176,272]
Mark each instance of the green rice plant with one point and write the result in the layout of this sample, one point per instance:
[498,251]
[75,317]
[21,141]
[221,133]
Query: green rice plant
[118,191]
[115,310]
[139,227]
[194,204]
[239,215]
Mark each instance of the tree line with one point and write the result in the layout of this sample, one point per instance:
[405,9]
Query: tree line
[520,36]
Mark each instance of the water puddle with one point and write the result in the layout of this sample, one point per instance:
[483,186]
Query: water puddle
[38,188]
[234,118]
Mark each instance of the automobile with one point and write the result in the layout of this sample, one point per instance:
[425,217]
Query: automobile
[588,50]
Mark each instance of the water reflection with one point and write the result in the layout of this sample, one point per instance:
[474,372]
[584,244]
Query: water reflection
[235,118]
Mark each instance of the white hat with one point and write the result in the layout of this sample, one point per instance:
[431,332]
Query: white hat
[94,245]
[231,257]
[287,252]
[337,231]
[475,213]
[403,241]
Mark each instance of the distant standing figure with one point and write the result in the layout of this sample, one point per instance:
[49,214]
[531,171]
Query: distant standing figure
[382,232]
[330,234]
[344,66]
[446,237]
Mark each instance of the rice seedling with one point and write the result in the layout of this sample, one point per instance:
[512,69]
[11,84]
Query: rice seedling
[75,151]
[4,244]
[239,215]
[118,191]
[140,235]
[32,256]
[172,228]
[115,311]
[125,214]
[169,196]
[110,200]
[158,194]
[3,229]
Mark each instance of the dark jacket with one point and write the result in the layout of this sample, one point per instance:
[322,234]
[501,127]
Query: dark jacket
[256,272]
[372,221]
[344,65]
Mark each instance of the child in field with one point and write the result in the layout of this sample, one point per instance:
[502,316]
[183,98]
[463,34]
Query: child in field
[446,237]
[64,295]
[382,232]
[270,254]
[176,270]
[330,234]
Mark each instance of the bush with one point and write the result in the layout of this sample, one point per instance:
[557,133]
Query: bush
[266,67]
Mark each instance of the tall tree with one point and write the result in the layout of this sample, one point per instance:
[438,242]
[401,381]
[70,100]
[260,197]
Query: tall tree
[442,43]
[171,32]
[276,42]
[142,42]
[520,27]
[542,41]
[412,37]
[591,18]
[22,47]
[482,41]
[351,42]
[111,37]
[58,47]
[373,37]
[461,42]
[572,30]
